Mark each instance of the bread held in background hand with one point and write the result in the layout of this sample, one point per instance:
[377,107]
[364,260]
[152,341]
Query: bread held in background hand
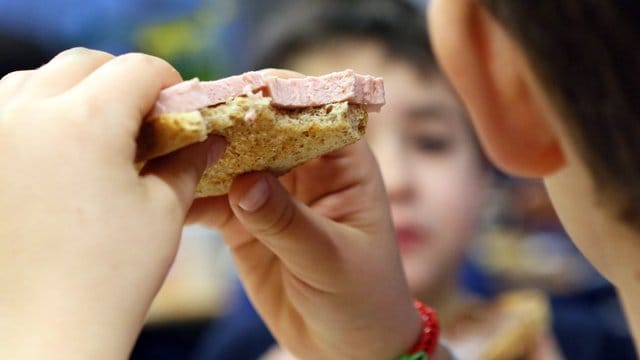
[269,123]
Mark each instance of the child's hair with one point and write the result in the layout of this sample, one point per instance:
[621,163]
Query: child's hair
[587,56]
[399,26]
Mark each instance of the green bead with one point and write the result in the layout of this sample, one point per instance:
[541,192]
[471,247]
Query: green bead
[417,356]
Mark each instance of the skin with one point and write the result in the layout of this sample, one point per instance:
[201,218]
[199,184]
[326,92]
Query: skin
[434,176]
[323,269]
[496,81]
[78,220]
[312,252]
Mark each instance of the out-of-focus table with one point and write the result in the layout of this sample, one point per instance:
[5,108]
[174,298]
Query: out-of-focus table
[197,285]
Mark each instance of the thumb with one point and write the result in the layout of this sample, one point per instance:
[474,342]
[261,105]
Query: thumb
[179,172]
[292,231]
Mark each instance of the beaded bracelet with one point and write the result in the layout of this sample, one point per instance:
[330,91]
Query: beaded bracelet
[428,340]
[418,356]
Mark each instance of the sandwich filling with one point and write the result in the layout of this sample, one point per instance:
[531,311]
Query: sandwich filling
[294,93]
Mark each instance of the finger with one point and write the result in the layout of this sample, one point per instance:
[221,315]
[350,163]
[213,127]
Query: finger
[127,85]
[352,164]
[11,83]
[288,228]
[174,177]
[212,212]
[63,72]
[215,213]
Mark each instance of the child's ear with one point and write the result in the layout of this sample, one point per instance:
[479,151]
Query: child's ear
[493,78]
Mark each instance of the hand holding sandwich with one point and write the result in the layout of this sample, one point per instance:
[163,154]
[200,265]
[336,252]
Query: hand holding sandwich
[317,255]
[85,240]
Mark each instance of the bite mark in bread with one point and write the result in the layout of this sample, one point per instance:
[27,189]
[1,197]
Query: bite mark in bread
[321,114]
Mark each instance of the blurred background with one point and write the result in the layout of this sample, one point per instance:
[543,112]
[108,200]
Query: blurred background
[524,245]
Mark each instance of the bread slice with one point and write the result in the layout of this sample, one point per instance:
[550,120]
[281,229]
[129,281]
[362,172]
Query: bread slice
[526,317]
[508,327]
[259,136]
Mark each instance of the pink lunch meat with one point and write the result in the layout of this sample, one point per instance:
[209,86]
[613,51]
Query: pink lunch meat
[335,87]
[195,94]
[286,93]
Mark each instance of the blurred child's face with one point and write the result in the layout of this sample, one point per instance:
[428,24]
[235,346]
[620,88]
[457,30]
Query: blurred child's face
[434,177]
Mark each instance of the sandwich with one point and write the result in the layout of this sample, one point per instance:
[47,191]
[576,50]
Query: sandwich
[269,123]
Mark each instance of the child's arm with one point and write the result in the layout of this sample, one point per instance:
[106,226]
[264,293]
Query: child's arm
[85,241]
[322,269]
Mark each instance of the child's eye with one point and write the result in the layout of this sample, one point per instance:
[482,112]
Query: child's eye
[431,144]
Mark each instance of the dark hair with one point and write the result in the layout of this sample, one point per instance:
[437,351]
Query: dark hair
[587,56]
[398,25]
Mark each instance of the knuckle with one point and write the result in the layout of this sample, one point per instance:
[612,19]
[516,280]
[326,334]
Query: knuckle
[15,76]
[280,222]
[72,53]
[99,56]
[146,62]
[83,51]
[140,59]
[77,50]
[81,54]
[135,57]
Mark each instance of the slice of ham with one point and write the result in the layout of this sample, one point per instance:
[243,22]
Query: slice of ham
[195,94]
[335,87]
[286,93]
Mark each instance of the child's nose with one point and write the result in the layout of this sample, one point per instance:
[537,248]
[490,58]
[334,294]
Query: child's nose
[395,173]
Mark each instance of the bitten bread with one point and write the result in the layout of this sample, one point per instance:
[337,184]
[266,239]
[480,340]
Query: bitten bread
[269,123]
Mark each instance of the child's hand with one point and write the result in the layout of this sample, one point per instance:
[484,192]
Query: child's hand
[85,241]
[323,270]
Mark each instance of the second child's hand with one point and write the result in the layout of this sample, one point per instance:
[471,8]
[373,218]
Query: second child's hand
[316,252]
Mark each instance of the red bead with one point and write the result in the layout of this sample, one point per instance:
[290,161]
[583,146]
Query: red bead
[428,340]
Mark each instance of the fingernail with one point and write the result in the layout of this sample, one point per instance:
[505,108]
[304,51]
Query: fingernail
[217,146]
[256,196]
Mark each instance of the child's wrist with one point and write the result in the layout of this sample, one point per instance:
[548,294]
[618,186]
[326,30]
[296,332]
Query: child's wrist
[427,343]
